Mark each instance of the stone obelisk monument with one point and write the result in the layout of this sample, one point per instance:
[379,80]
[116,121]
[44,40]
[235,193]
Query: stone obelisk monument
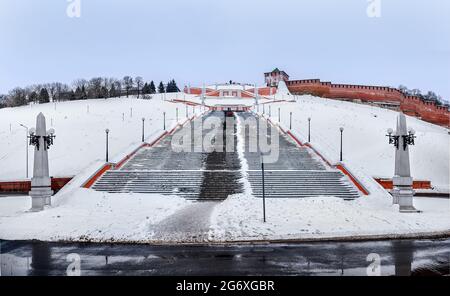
[403,182]
[40,183]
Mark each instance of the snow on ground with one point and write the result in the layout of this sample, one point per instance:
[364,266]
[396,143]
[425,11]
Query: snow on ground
[80,134]
[240,218]
[365,143]
[87,215]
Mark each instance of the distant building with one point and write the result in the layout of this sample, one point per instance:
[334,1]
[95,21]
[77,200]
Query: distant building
[272,78]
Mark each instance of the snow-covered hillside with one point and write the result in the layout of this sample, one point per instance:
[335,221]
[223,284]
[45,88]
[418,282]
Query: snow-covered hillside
[83,214]
[80,131]
[365,144]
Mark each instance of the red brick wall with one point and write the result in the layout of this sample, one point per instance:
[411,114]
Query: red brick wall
[264,91]
[25,186]
[417,184]
[408,104]
[196,90]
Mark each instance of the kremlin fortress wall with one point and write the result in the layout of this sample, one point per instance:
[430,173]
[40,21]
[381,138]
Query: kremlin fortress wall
[386,97]
[380,95]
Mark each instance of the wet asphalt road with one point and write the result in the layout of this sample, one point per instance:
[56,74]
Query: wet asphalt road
[400,257]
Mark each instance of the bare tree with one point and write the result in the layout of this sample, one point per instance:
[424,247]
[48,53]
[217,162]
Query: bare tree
[128,83]
[80,83]
[17,97]
[95,87]
[118,86]
[139,82]
[51,87]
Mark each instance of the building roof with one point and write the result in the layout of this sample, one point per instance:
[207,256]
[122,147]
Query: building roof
[276,70]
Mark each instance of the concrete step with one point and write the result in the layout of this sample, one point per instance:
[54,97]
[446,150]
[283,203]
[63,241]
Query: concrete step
[199,185]
[301,183]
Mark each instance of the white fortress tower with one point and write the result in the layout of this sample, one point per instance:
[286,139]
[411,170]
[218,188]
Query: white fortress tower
[274,77]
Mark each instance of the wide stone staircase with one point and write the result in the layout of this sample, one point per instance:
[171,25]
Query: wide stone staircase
[205,176]
[297,171]
[301,183]
[195,184]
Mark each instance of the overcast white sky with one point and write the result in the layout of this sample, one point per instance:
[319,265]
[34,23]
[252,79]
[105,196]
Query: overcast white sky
[196,41]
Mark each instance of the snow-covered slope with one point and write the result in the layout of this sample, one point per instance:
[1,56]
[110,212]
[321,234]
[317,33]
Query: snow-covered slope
[80,131]
[82,214]
[365,144]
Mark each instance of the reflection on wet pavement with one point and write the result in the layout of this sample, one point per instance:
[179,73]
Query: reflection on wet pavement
[400,257]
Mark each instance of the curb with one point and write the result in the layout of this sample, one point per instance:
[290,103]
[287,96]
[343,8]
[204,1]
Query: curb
[442,235]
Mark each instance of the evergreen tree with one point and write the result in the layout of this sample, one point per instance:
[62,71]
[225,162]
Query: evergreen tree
[44,97]
[172,86]
[145,89]
[78,93]
[169,87]
[161,88]
[103,92]
[152,87]
[83,93]
[33,97]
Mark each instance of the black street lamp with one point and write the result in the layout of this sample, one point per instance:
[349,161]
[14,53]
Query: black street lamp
[26,146]
[264,109]
[164,115]
[342,131]
[107,144]
[187,111]
[270,111]
[143,129]
[279,115]
[309,129]
[177,114]
[263,189]
[290,120]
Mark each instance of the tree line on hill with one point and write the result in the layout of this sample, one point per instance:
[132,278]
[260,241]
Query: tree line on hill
[82,89]
[430,96]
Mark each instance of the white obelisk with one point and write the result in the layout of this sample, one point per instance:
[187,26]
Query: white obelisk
[403,182]
[40,183]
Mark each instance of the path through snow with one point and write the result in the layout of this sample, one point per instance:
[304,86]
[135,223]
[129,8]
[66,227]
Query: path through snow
[191,224]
